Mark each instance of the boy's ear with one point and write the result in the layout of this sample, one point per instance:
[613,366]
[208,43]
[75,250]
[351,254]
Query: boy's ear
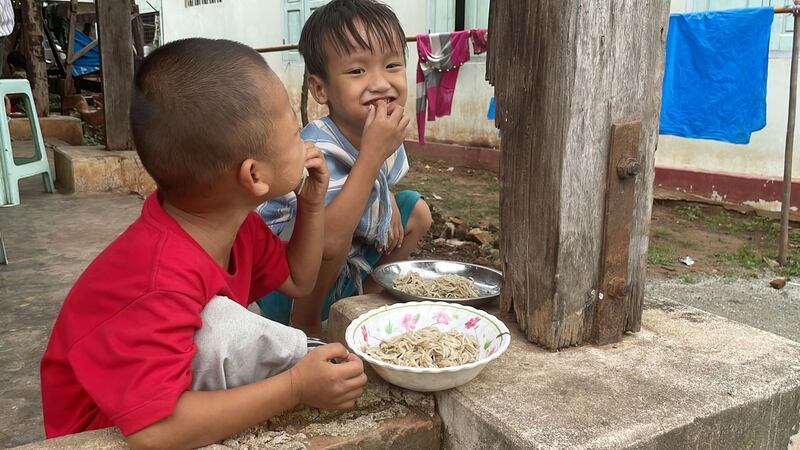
[254,177]
[317,88]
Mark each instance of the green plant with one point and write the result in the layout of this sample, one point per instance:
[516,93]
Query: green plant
[691,212]
[660,254]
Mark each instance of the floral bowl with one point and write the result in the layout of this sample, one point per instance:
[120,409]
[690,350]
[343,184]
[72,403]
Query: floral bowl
[377,325]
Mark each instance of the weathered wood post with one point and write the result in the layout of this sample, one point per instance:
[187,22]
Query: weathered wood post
[578,91]
[116,60]
[33,49]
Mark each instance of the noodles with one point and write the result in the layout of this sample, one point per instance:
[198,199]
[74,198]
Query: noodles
[427,347]
[302,180]
[445,286]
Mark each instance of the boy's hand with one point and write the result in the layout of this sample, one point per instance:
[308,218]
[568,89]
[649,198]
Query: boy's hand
[312,190]
[396,232]
[383,133]
[319,383]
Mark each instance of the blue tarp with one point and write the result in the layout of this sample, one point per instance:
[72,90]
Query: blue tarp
[89,62]
[715,75]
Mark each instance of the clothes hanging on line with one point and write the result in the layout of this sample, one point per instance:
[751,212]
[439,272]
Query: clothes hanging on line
[440,57]
[715,74]
[479,37]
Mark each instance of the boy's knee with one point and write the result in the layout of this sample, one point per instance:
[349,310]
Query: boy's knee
[237,347]
[336,251]
[421,218]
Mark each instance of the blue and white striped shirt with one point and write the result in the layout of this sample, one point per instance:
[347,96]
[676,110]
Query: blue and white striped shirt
[340,155]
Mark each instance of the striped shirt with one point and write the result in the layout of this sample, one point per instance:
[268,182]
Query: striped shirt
[6,18]
[340,155]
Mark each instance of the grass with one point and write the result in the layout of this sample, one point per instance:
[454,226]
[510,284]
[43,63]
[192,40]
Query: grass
[690,278]
[691,212]
[474,197]
[92,135]
[660,254]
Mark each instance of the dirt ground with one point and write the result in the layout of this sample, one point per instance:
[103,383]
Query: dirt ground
[721,243]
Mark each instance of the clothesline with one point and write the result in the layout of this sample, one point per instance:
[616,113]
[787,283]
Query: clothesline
[287,47]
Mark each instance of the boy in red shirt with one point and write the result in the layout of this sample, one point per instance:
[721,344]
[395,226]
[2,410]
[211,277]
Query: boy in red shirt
[155,337]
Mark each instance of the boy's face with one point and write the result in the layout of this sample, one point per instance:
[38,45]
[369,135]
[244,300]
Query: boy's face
[361,78]
[286,149]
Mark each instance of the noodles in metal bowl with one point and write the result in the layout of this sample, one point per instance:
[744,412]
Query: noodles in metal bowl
[413,325]
[435,280]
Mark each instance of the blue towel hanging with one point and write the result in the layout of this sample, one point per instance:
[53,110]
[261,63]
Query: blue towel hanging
[715,75]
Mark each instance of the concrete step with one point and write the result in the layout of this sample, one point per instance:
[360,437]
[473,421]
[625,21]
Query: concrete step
[94,169]
[65,128]
[689,379]
[385,418]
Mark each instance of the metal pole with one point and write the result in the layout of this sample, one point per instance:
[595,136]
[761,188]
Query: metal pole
[787,163]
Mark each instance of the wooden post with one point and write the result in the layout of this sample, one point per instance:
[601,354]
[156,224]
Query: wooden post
[566,75]
[73,13]
[33,49]
[788,159]
[116,60]
[137,30]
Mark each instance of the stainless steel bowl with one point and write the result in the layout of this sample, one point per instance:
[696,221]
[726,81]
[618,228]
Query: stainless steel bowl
[489,281]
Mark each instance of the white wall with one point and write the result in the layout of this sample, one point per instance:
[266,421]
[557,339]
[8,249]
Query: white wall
[259,23]
[763,157]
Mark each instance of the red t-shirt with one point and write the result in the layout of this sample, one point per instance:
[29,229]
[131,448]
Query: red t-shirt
[121,350]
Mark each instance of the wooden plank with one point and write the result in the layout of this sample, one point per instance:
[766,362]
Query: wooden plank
[116,60]
[83,51]
[612,300]
[69,88]
[564,72]
[33,49]
[137,30]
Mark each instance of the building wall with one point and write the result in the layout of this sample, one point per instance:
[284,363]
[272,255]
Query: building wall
[259,23]
[763,157]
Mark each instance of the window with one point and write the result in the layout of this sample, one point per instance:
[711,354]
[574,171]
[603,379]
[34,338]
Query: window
[190,3]
[782,27]
[457,15]
[296,12]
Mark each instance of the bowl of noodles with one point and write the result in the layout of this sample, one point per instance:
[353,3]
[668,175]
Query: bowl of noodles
[427,346]
[435,280]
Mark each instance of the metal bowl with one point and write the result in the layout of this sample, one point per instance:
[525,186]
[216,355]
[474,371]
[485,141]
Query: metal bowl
[489,281]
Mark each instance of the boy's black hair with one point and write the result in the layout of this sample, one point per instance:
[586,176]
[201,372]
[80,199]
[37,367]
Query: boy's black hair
[337,23]
[196,112]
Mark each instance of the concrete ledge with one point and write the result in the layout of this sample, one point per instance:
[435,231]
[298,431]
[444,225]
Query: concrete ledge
[689,379]
[93,169]
[385,418]
[458,155]
[66,128]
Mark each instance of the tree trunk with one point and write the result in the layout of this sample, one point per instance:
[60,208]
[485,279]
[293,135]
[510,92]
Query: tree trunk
[116,61]
[33,49]
[566,73]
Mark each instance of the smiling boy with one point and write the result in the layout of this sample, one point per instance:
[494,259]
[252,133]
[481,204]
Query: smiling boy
[355,55]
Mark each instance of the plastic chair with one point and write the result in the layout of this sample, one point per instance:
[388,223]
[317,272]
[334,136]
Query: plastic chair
[12,169]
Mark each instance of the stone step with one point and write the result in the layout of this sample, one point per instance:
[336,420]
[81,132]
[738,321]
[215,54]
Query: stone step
[386,417]
[94,169]
[689,379]
[65,128]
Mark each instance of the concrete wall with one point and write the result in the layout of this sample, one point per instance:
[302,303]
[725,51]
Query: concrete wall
[259,23]
[763,157]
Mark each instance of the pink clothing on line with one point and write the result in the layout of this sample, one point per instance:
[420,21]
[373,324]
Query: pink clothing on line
[478,37]
[440,57]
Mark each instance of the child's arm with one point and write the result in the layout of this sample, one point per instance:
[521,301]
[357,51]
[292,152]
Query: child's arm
[381,136]
[202,418]
[304,251]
